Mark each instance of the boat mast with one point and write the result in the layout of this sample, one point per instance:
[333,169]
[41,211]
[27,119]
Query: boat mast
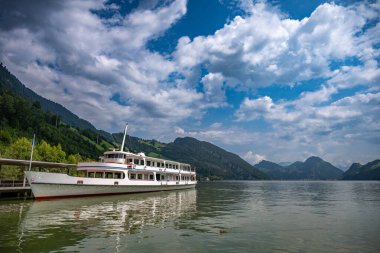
[125,134]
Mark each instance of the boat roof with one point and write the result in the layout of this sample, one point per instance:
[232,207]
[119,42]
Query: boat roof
[141,155]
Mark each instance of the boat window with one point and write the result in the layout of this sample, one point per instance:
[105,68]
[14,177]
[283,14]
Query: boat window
[109,175]
[158,164]
[130,160]
[117,175]
[136,161]
[158,177]
[152,164]
[151,177]
[133,176]
[166,165]
[147,163]
[176,178]
[141,162]
[91,174]
[99,174]
[162,177]
[139,176]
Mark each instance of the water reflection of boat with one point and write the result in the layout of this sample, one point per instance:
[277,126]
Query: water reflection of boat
[78,219]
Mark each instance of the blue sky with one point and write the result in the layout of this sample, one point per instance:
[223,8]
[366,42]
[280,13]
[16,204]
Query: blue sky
[275,80]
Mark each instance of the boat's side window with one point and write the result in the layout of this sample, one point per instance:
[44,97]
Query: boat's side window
[151,177]
[176,178]
[117,175]
[152,164]
[99,174]
[139,176]
[166,165]
[136,161]
[130,160]
[147,163]
[91,174]
[162,177]
[109,175]
[141,162]
[158,164]
[133,176]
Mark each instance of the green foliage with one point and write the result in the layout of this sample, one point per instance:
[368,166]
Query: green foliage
[20,149]
[20,118]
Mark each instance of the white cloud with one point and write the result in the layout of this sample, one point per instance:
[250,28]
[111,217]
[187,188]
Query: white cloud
[80,60]
[346,124]
[253,158]
[265,48]
[100,68]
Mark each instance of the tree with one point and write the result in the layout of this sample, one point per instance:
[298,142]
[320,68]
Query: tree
[20,149]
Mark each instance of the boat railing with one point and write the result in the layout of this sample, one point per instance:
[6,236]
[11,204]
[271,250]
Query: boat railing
[114,160]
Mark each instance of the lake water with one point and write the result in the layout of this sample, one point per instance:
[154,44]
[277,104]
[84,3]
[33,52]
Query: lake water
[263,216]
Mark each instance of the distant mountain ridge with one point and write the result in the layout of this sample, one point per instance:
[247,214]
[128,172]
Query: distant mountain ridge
[314,168]
[211,160]
[369,171]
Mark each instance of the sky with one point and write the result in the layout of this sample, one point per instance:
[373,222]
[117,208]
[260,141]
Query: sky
[274,80]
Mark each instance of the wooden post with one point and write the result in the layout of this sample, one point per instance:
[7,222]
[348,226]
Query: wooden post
[24,183]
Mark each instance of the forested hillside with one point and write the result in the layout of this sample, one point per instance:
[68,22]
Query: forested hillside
[369,171]
[20,118]
[11,83]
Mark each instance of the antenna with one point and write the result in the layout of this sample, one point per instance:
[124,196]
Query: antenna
[125,134]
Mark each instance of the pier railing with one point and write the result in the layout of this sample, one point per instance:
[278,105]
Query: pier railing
[13,183]
[24,165]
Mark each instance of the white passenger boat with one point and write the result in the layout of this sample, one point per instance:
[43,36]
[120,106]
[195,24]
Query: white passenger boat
[118,172]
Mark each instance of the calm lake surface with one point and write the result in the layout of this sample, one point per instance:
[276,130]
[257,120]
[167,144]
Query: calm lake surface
[264,216]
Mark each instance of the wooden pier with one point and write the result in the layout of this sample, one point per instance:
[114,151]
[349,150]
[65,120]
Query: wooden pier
[21,188]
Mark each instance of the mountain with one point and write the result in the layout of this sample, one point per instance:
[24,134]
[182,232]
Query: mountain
[11,83]
[210,160]
[23,113]
[273,170]
[314,168]
[369,171]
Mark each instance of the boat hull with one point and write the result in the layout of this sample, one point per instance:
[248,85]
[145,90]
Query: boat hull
[52,185]
[43,191]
